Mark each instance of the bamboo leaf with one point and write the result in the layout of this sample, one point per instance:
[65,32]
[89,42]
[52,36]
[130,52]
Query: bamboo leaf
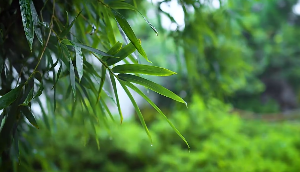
[27,21]
[137,110]
[58,75]
[9,97]
[36,21]
[130,34]
[28,98]
[134,88]
[113,82]
[72,78]
[151,85]
[107,109]
[114,50]
[45,118]
[124,5]
[79,62]
[40,90]
[27,113]
[109,29]
[103,72]
[92,50]
[122,54]
[142,69]
[67,28]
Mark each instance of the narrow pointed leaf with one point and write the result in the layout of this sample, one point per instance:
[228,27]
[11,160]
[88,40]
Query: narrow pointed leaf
[28,98]
[124,5]
[137,109]
[27,113]
[27,21]
[151,85]
[101,82]
[109,29]
[122,54]
[134,88]
[142,69]
[113,82]
[57,77]
[79,62]
[68,27]
[130,34]
[36,21]
[99,52]
[114,50]
[40,90]
[9,97]
[72,78]
[107,109]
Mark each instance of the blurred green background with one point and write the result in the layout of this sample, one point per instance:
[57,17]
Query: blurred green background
[238,69]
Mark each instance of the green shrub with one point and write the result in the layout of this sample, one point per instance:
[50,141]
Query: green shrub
[219,142]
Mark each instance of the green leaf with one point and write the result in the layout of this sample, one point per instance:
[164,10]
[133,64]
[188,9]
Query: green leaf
[79,62]
[142,69]
[130,34]
[113,82]
[45,117]
[103,72]
[134,88]
[67,28]
[124,5]
[92,50]
[109,29]
[27,21]
[40,90]
[72,78]
[36,22]
[151,85]
[57,76]
[122,54]
[137,110]
[28,98]
[9,97]
[114,50]
[107,109]
[27,113]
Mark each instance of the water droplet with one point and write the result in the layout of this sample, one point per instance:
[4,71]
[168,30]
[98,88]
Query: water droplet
[151,145]
[156,34]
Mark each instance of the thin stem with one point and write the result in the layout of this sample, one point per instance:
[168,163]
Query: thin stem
[45,46]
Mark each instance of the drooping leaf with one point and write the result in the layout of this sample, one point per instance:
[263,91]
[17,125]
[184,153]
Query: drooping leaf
[107,109]
[130,34]
[124,5]
[103,72]
[134,88]
[40,90]
[68,27]
[36,22]
[142,69]
[28,98]
[99,52]
[57,76]
[113,82]
[109,29]
[151,85]
[27,113]
[122,54]
[72,78]
[27,21]
[114,50]
[9,97]
[79,62]
[137,109]
[45,117]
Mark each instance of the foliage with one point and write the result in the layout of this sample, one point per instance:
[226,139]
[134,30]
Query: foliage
[65,61]
[219,142]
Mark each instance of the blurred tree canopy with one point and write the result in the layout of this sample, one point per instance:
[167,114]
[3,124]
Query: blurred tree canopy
[68,57]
